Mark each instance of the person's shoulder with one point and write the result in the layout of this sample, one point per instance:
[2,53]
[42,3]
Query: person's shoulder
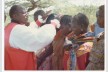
[20,27]
[101,36]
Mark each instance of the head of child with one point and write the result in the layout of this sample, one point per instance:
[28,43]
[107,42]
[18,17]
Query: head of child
[100,16]
[37,13]
[65,22]
[80,24]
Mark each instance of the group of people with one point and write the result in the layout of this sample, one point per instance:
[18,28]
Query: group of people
[53,42]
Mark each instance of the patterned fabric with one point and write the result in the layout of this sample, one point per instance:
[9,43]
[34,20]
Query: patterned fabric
[73,60]
[83,55]
[97,54]
[46,65]
[84,48]
[45,58]
[76,58]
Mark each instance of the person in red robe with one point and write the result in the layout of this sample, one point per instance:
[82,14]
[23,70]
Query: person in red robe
[22,41]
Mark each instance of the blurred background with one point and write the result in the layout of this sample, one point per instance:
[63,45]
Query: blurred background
[70,7]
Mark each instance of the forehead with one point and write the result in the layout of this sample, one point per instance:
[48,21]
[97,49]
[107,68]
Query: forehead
[74,22]
[75,26]
[20,9]
[100,14]
[101,10]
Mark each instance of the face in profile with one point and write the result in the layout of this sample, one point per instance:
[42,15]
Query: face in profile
[65,22]
[100,19]
[76,29]
[80,24]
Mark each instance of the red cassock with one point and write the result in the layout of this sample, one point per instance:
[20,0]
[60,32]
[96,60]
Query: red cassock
[17,59]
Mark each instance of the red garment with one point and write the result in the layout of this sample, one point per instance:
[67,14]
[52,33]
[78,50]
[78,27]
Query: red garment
[82,61]
[65,60]
[17,59]
[38,23]
[82,55]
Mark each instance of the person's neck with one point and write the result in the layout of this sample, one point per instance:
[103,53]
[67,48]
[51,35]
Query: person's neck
[63,35]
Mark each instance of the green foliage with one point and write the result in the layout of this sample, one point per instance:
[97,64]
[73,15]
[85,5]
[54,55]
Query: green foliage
[29,3]
[61,7]
[89,11]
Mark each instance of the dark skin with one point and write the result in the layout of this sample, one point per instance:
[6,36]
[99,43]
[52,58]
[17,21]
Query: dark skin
[100,18]
[78,29]
[58,47]
[80,33]
[66,29]
[21,16]
[48,51]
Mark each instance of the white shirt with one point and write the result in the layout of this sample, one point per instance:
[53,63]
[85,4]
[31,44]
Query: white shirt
[32,39]
[33,25]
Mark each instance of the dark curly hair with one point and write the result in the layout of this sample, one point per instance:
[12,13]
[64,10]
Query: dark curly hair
[81,20]
[14,9]
[66,20]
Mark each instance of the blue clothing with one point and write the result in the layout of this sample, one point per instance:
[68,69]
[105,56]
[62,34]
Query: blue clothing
[97,29]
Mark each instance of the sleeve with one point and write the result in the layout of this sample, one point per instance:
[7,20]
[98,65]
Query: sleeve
[33,25]
[30,39]
[92,28]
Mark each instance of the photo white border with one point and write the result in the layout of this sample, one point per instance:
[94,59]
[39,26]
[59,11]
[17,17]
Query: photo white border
[2,40]
[1,35]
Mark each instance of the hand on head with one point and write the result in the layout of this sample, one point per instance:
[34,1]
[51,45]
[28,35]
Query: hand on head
[40,19]
[56,23]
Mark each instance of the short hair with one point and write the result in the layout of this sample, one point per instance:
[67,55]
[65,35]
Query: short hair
[50,17]
[14,9]
[81,20]
[66,20]
[38,12]
[101,9]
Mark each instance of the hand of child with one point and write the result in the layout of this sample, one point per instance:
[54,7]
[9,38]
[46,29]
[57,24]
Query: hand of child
[56,23]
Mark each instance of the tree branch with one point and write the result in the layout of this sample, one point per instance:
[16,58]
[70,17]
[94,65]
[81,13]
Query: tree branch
[33,6]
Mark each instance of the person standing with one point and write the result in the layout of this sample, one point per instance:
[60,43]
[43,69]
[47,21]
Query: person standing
[22,41]
[97,53]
